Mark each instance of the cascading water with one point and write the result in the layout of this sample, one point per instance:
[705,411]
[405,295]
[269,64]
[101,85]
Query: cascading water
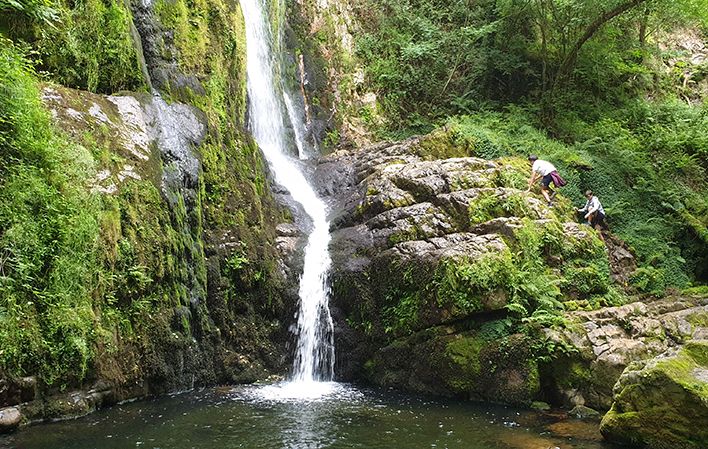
[298,129]
[314,359]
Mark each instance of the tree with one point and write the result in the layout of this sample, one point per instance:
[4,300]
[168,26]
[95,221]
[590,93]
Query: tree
[570,57]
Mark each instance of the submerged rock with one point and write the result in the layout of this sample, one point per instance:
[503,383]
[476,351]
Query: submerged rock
[582,412]
[662,402]
[576,429]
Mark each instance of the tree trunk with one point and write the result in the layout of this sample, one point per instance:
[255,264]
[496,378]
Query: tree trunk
[568,63]
[643,32]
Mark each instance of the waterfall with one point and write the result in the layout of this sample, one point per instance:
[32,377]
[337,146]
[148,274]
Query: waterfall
[298,126]
[314,359]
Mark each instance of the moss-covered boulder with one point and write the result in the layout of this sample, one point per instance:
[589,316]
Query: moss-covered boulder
[600,344]
[472,364]
[427,252]
[662,403]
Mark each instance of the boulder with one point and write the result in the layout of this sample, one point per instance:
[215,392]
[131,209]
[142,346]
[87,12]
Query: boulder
[469,364]
[605,341]
[428,247]
[10,418]
[662,402]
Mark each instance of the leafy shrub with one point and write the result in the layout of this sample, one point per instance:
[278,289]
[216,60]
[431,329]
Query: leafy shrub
[48,235]
[91,47]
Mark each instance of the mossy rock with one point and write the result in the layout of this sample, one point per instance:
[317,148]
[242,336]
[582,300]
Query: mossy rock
[662,403]
[469,364]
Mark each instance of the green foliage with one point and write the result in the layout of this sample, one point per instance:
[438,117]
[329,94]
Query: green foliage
[236,262]
[428,59]
[38,11]
[91,47]
[535,290]
[48,235]
[431,58]
[645,162]
[402,316]
[402,301]
[465,283]
[86,277]
[489,205]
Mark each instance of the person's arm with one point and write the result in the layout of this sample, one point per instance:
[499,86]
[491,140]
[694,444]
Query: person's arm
[532,180]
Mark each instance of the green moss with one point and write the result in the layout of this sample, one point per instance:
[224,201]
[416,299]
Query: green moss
[190,24]
[464,353]
[464,285]
[659,407]
[681,369]
[571,373]
[699,319]
[91,47]
[444,143]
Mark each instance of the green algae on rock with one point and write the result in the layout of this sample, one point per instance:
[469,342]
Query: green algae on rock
[663,402]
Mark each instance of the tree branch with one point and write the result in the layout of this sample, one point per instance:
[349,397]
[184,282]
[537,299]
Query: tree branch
[569,60]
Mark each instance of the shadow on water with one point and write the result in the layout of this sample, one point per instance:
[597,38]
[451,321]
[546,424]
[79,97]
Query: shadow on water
[344,417]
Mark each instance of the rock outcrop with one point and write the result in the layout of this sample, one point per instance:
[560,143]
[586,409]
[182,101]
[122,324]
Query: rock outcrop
[428,253]
[662,402]
[178,276]
[449,278]
[601,344]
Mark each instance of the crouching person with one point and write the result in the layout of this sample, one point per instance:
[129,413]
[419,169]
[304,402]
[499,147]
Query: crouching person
[593,212]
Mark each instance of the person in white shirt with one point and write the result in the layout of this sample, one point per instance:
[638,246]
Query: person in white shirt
[547,173]
[594,212]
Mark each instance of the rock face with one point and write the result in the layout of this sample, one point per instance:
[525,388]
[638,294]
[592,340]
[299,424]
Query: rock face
[662,402]
[430,256]
[604,342]
[162,248]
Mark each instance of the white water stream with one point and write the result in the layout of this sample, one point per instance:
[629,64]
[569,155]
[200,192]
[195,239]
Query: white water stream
[314,359]
[298,131]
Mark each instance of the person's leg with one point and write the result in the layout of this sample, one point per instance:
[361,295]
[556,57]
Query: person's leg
[591,219]
[596,222]
[545,187]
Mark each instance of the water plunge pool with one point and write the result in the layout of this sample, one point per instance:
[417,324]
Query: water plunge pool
[273,417]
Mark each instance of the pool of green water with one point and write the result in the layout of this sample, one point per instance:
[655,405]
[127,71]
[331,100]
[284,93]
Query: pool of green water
[347,417]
